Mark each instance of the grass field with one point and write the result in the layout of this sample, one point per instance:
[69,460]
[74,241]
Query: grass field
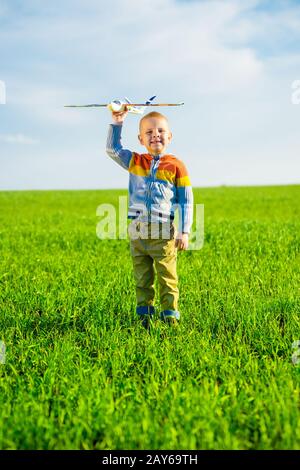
[81,373]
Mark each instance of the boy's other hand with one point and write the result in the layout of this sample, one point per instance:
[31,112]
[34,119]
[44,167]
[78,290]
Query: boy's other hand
[182,241]
[119,117]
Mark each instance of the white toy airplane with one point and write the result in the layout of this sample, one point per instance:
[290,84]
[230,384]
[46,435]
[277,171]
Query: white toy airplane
[119,106]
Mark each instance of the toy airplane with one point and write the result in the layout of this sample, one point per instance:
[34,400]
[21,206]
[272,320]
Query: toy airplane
[119,106]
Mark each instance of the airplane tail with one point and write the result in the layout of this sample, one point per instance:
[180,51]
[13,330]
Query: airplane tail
[137,109]
[150,99]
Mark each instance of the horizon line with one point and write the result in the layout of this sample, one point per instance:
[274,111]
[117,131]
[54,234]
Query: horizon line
[126,189]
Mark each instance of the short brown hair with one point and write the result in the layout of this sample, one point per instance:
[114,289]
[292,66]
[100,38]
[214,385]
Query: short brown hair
[153,114]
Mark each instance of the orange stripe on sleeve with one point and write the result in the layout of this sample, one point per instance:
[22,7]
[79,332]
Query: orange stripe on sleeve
[182,176]
[139,165]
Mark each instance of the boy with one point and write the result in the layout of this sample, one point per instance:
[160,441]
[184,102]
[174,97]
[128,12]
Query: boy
[158,183]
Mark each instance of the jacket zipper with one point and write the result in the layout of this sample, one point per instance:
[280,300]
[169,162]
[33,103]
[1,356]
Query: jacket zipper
[153,167]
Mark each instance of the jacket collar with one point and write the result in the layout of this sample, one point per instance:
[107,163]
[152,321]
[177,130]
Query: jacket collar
[151,157]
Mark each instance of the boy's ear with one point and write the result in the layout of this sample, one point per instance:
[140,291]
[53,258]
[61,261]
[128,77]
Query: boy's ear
[170,136]
[140,139]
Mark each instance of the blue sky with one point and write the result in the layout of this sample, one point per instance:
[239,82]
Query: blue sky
[232,62]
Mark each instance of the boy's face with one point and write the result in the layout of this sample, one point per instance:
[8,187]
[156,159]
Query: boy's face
[155,135]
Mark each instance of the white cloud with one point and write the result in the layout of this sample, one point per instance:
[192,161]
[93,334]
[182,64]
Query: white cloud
[133,41]
[17,139]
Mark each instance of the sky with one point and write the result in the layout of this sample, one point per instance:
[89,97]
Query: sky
[234,63]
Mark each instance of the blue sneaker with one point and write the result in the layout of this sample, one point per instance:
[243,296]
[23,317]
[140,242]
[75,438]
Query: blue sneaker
[171,317]
[146,315]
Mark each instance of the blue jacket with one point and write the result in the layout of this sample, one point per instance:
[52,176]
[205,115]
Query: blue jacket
[158,185]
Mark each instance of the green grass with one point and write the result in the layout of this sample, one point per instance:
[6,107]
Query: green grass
[81,373]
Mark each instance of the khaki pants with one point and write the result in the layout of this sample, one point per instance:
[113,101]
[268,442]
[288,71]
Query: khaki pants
[152,247]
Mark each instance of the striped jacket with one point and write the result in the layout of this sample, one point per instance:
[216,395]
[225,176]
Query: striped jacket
[158,185]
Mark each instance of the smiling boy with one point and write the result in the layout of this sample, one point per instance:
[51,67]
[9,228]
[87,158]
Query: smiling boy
[158,185]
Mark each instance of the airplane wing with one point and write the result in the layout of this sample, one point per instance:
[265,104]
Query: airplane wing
[156,104]
[130,104]
[85,105]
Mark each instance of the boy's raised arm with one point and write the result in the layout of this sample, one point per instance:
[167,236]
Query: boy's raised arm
[114,147]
